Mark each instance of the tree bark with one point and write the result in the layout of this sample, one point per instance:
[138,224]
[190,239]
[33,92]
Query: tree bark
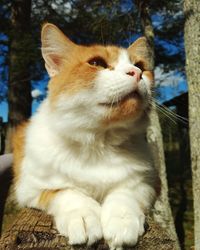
[162,209]
[34,229]
[19,85]
[162,212]
[192,49]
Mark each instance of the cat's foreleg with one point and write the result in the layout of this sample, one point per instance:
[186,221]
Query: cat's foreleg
[77,216]
[123,215]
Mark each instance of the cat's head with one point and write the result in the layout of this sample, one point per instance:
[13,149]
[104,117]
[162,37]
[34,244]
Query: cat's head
[96,86]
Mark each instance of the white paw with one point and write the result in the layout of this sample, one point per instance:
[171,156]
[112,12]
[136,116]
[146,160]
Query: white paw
[123,230]
[80,226]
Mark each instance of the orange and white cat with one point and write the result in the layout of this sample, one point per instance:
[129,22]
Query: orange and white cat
[83,157]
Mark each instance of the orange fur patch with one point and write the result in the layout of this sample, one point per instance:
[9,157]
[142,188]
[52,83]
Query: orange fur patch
[128,108]
[77,74]
[18,149]
[46,197]
[150,75]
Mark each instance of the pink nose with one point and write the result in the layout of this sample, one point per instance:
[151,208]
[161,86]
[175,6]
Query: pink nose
[134,72]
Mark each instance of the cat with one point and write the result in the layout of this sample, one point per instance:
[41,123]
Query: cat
[83,157]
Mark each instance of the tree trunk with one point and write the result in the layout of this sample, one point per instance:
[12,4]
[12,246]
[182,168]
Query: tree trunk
[192,48]
[19,85]
[162,213]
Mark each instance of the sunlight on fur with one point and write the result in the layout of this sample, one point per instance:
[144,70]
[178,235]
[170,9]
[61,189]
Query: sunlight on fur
[83,157]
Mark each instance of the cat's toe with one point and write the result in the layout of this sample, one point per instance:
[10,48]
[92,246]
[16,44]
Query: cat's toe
[76,231]
[80,227]
[93,228]
[120,231]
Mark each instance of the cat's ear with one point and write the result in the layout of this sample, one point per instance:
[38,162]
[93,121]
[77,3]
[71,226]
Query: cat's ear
[56,48]
[140,53]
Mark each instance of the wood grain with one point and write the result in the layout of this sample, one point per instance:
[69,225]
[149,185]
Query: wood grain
[34,230]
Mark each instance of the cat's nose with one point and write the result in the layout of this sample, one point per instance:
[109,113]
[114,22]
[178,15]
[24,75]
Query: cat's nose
[134,72]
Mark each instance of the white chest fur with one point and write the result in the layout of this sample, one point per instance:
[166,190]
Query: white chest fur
[53,162]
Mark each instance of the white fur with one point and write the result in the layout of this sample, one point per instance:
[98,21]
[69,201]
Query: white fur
[105,173]
[113,84]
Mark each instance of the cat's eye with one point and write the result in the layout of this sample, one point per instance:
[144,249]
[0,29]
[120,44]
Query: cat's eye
[98,62]
[140,65]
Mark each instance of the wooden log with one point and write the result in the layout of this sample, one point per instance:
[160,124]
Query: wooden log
[34,230]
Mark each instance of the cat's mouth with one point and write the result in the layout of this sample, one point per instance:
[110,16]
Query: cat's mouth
[134,94]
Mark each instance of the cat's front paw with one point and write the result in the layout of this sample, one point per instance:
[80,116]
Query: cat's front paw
[123,229]
[80,226]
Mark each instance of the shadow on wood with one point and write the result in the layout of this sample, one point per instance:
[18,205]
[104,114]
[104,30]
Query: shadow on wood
[34,230]
[5,180]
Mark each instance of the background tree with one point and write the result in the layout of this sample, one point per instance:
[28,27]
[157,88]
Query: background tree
[192,48]
[19,86]
[162,213]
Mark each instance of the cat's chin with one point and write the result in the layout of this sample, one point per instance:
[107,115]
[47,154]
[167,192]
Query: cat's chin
[132,95]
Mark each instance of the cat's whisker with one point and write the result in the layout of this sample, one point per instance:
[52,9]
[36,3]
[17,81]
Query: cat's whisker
[166,115]
[167,112]
[155,105]
[174,115]
[115,101]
